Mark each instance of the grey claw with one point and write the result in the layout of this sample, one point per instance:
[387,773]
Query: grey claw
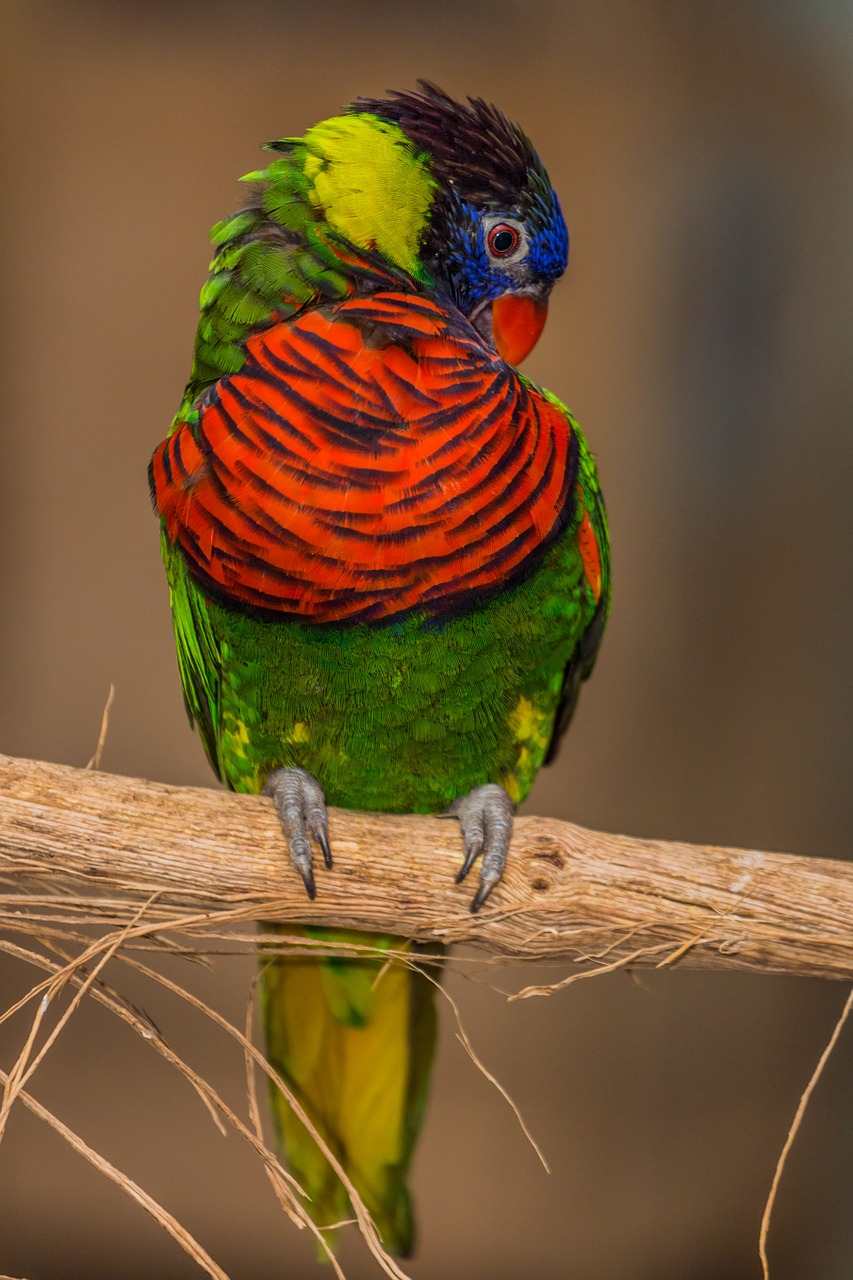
[301,808]
[480,896]
[308,880]
[473,846]
[323,841]
[485,816]
[318,825]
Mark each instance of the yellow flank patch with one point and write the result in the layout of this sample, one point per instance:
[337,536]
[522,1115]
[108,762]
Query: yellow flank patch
[235,738]
[509,782]
[531,729]
[529,724]
[234,758]
[372,185]
[238,733]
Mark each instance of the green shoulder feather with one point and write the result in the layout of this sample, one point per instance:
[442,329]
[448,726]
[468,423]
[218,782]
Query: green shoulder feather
[292,246]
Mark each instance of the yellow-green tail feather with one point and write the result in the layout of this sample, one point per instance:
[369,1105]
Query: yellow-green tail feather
[354,1040]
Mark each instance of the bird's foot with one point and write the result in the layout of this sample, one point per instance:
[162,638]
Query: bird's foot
[301,807]
[485,816]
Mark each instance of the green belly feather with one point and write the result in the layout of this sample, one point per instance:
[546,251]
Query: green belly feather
[406,717]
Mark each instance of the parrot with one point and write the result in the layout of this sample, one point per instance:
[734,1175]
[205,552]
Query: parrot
[387,560]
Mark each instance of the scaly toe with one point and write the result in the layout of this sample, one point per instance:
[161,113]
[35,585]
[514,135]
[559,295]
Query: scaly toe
[485,818]
[301,808]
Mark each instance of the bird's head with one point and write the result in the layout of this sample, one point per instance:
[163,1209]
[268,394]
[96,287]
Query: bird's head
[452,193]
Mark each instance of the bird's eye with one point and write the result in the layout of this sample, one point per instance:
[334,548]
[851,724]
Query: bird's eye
[502,240]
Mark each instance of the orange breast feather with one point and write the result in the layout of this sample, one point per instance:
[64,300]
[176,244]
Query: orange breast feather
[369,459]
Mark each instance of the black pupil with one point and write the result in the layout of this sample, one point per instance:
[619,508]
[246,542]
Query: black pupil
[504,240]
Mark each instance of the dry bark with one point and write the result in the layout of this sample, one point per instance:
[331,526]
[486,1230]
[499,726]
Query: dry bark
[93,847]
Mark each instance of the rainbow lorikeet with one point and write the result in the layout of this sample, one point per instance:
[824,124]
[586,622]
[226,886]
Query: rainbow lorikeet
[386,552]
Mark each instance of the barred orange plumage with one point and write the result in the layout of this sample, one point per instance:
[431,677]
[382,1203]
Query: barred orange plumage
[370,458]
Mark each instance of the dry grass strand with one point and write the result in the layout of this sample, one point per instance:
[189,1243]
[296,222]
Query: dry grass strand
[794,1130]
[166,1220]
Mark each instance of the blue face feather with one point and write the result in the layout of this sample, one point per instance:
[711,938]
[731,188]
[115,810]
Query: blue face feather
[471,276]
[549,248]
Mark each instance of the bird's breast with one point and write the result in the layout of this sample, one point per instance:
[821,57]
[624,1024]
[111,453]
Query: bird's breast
[369,460]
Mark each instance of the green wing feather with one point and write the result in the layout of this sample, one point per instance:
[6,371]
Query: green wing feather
[198,650]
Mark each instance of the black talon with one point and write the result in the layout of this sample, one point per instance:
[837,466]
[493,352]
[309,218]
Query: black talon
[472,848]
[480,896]
[308,880]
[323,841]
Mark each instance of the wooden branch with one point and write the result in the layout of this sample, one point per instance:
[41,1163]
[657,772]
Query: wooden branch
[95,846]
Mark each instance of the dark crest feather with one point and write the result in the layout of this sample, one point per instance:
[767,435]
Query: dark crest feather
[473,146]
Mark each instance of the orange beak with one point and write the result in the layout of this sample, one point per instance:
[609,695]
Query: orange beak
[517,321]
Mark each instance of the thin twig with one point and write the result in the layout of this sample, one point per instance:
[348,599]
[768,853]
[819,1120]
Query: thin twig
[95,762]
[462,1037]
[187,1242]
[794,1130]
[20,1073]
[549,988]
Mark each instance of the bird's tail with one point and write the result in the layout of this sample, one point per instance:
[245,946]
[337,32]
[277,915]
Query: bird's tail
[354,1040]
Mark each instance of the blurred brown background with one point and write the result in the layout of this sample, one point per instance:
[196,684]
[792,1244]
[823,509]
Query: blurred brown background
[703,155]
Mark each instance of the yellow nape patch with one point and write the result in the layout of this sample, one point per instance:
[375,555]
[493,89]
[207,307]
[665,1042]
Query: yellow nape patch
[371,184]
